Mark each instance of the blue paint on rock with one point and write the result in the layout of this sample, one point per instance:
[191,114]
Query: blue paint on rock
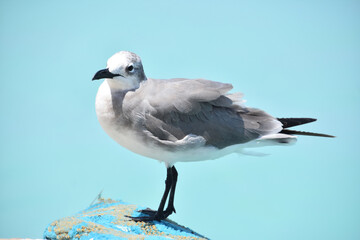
[109,219]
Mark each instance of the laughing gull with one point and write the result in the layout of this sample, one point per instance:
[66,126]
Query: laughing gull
[181,120]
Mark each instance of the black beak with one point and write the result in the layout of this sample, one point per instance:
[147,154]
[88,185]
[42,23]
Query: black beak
[104,73]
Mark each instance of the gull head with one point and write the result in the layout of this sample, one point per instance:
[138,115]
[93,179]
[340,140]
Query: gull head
[124,71]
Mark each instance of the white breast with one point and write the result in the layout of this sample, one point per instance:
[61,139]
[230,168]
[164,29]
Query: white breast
[110,123]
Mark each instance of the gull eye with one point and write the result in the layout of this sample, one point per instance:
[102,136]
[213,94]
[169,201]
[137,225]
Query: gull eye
[130,68]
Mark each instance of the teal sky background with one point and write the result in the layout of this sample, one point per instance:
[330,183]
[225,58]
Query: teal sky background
[290,58]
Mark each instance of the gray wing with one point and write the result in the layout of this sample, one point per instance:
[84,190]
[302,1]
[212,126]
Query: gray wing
[169,110]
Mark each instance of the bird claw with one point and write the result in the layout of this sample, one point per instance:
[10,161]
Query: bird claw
[152,216]
[148,211]
[143,219]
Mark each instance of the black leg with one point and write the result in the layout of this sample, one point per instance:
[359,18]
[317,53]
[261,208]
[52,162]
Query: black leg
[170,208]
[170,184]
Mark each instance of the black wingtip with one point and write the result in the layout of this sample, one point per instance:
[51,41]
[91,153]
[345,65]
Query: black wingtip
[294,132]
[292,122]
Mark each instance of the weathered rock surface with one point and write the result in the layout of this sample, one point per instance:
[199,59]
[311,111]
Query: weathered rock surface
[107,220]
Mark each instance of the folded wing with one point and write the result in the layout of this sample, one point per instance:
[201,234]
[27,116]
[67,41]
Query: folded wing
[170,110]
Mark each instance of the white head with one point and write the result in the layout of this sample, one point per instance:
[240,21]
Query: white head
[124,71]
